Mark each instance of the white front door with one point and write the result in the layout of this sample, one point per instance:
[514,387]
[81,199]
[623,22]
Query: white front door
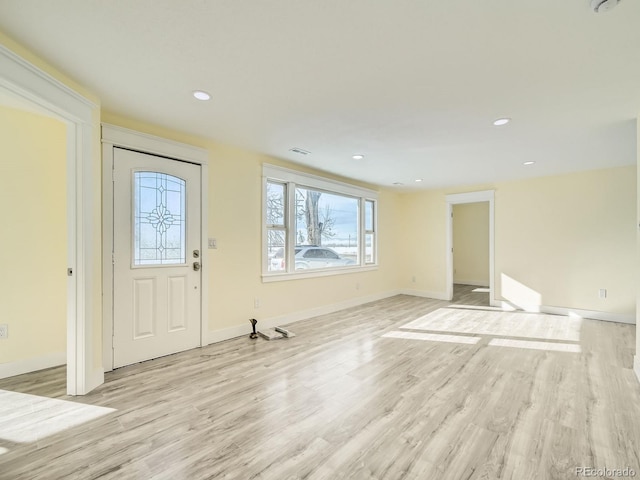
[157,231]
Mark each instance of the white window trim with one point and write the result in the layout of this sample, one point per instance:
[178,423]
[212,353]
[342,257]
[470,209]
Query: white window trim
[373,231]
[294,179]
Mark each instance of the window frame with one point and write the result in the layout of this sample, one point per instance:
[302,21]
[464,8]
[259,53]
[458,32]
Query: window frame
[293,179]
[274,227]
[373,231]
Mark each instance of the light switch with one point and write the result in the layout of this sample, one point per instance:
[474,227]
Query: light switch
[213,243]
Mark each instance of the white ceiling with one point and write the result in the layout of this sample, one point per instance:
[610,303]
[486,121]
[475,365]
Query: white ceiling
[414,85]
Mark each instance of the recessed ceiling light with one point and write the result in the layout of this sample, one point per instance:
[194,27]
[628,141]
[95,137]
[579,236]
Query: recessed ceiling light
[200,95]
[398,183]
[529,163]
[418,179]
[501,121]
[358,157]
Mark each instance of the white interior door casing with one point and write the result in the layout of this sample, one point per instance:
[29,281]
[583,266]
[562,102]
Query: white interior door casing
[156,256]
[28,83]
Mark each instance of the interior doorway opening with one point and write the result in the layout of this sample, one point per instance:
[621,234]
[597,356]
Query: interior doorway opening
[476,273]
[34,251]
[29,85]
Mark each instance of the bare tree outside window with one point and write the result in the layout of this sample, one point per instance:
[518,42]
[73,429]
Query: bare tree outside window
[276,215]
[276,226]
[319,221]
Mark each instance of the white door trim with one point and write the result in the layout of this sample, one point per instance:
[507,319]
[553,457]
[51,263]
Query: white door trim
[471,197]
[114,136]
[28,83]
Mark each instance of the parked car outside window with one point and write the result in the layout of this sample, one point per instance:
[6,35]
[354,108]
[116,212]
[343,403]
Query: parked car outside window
[308,257]
[311,256]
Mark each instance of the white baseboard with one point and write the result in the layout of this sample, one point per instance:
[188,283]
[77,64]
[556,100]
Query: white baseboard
[592,314]
[28,365]
[95,380]
[240,330]
[425,294]
[215,336]
[223,334]
[636,365]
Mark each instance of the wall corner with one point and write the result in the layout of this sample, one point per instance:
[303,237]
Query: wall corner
[636,362]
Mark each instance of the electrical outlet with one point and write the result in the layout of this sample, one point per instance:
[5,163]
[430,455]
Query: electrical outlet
[602,293]
[413,279]
[4,330]
[357,285]
[256,303]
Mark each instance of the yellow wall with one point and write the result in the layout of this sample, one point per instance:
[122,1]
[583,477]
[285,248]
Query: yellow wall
[561,237]
[33,245]
[471,243]
[567,236]
[235,272]
[234,268]
[422,256]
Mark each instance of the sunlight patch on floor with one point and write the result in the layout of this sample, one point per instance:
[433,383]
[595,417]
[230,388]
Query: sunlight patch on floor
[549,346]
[28,418]
[483,308]
[433,337]
[500,324]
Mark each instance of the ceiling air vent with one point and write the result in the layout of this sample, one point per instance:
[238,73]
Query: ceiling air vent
[299,151]
[603,5]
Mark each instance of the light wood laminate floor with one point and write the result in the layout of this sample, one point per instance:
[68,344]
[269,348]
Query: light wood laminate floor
[393,389]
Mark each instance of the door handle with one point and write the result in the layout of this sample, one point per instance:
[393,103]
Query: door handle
[196,266]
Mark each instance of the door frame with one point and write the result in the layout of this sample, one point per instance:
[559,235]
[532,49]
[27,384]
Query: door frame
[115,136]
[29,84]
[471,197]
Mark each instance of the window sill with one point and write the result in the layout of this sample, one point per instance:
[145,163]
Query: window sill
[283,277]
